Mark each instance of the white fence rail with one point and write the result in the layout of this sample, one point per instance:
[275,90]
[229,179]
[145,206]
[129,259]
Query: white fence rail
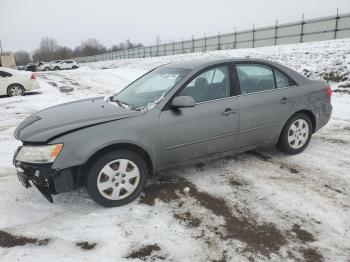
[325,28]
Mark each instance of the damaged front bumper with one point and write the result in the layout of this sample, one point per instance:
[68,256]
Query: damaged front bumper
[40,181]
[47,180]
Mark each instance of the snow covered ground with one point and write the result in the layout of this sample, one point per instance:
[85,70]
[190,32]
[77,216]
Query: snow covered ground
[256,206]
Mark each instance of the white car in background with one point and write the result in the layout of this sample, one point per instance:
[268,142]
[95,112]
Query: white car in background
[44,66]
[54,63]
[65,64]
[16,83]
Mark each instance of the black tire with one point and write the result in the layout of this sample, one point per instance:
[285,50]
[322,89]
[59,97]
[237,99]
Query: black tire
[74,67]
[283,143]
[56,68]
[99,164]
[20,87]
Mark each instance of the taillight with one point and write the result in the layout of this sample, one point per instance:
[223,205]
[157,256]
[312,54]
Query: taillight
[328,91]
[33,77]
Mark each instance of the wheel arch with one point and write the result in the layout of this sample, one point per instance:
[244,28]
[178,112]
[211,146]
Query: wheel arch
[122,146]
[15,84]
[310,114]
[307,112]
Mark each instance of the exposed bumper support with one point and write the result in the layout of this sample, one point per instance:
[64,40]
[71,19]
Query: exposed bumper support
[45,179]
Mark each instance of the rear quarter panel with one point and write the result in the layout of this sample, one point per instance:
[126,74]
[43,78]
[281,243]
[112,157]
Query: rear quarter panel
[312,97]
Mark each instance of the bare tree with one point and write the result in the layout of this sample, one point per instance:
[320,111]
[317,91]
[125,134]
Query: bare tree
[22,57]
[47,49]
[124,45]
[63,53]
[91,46]
[158,40]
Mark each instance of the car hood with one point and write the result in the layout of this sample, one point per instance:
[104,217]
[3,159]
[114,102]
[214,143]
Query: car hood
[57,120]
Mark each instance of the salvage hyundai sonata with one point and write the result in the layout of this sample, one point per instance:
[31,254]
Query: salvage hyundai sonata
[174,114]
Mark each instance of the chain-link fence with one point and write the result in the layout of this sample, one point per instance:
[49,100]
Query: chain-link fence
[325,28]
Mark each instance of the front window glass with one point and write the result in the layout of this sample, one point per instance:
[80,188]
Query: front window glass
[255,78]
[150,88]
[209,85]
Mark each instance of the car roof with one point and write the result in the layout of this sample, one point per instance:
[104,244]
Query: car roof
[204,62]
[9,70]
[198,64]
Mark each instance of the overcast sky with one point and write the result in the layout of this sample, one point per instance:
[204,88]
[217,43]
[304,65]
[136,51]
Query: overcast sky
[23,23]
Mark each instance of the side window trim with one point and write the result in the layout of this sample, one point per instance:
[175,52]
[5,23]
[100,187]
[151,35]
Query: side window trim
[227,64]
[5,74]
[292,83]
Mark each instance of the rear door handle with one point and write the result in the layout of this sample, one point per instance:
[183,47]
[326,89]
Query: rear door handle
[285,100]
[229,111]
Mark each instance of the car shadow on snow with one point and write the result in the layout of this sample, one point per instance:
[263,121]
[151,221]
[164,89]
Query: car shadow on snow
[25,94]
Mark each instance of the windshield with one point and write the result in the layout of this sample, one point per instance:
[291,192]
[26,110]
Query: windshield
[150,88]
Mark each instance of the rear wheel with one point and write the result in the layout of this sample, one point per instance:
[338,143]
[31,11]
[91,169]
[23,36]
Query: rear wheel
[57,68]
[296,134]
[117,178]
[15,90]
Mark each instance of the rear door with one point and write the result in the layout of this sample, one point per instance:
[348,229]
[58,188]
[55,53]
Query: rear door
[266,101]
[64,65]
[210,127]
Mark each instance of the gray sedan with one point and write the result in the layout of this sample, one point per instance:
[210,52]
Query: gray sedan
[174,114]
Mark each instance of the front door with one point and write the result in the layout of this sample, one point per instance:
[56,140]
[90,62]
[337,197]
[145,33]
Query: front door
[209,127]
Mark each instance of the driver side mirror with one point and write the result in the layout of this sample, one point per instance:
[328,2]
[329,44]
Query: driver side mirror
[182,102]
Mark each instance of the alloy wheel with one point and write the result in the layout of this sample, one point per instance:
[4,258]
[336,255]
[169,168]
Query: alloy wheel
[118,179]
[298,133]
[15,90]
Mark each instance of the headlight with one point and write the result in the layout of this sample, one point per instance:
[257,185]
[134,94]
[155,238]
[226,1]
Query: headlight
[39,154]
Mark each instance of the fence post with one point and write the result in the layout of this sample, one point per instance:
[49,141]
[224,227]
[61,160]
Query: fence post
[276,28]
[192,44]
[205,43]
[253,36]
[336,24]
[219,44]
[173,48]
[302,29]
[235,40]
[182,44]
[164,48]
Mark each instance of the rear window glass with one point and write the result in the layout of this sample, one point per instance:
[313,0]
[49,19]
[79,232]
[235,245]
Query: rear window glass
[281,79]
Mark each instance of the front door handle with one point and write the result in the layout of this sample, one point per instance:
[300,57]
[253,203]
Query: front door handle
[285,100]
[229,111]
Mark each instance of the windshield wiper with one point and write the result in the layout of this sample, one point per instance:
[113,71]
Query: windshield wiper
[124,104]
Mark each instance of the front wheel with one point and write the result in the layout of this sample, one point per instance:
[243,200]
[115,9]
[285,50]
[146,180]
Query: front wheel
[56,68]
[296,134]
[117,178]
